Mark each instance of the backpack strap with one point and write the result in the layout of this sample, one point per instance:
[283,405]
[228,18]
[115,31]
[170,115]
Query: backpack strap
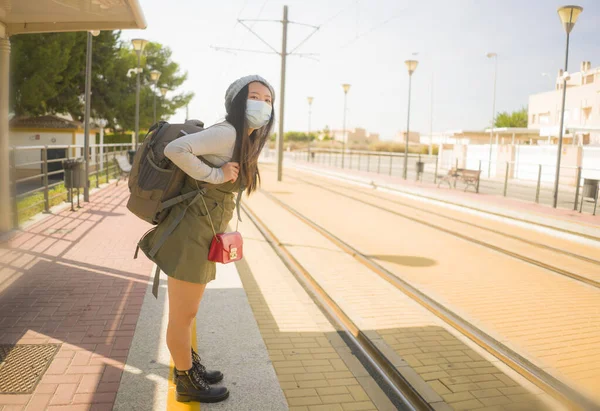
[175,200]
[159,243]
[156,282]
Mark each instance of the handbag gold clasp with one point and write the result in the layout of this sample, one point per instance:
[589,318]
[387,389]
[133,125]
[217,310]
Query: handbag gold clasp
[233,253]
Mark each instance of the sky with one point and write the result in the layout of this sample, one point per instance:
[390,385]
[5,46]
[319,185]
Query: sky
[365,43]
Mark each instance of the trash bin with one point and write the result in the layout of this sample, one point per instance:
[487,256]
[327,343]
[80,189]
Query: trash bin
[420,167]
[131,154]
[590,188]
[74,173]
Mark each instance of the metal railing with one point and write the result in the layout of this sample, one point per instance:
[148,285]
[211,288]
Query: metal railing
[102,165]
[508,179]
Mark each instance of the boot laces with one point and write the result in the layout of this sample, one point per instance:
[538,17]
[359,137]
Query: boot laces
[196,362]
[198,378]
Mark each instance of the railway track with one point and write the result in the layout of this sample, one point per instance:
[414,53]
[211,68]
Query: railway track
[399,385]
[331,188]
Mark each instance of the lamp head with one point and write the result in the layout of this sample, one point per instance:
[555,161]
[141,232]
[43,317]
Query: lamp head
[568,16]
[490,55]
[346,87]
[95,33]
[310,100]
[154,76]
[163,91]
[411,65]
[139,45]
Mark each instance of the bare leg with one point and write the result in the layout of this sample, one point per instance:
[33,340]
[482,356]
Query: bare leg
[184,300]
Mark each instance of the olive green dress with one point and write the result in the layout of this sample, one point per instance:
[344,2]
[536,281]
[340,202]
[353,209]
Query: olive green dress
[184,253]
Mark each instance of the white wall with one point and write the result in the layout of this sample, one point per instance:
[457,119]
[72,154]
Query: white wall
[528,159]
[61,138]
[27,138]
[482,152]
[591,162]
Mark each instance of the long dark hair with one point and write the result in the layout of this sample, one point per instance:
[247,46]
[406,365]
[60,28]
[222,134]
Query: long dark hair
[250,145]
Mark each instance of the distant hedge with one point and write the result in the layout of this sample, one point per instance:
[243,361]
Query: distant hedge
[119,138]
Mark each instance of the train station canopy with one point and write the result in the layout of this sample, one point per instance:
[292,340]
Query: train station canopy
[40,16]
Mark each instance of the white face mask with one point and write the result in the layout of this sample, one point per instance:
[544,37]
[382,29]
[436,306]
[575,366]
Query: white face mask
[258,113]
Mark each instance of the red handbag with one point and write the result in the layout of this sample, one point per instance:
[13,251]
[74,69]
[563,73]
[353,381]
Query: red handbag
[226,247]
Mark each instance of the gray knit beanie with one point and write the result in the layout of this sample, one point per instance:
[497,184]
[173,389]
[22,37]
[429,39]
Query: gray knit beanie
[239,84]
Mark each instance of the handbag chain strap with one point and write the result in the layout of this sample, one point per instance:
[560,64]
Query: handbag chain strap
[210,218]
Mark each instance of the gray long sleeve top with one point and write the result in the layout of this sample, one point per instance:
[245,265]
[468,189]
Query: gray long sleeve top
[215,143]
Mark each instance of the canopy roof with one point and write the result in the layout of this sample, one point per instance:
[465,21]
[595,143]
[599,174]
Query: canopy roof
[38,16]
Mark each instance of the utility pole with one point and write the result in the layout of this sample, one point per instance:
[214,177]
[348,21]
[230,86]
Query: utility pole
[495,57]
[282,91]
[283,53]
[431,119]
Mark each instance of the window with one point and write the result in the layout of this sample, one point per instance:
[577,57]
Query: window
[533,119]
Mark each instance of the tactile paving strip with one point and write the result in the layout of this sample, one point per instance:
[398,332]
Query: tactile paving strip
[22,366]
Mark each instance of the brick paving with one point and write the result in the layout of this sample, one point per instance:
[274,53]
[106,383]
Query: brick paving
[315,368]
[70,279]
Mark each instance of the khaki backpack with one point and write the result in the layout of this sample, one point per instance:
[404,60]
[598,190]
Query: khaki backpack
[155,182]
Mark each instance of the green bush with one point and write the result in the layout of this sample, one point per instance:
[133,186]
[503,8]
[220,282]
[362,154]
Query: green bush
[120,138]
[33,204]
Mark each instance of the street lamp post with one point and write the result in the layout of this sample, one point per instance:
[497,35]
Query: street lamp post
[412,66]
[154,76]
[163,92]
[310,101]
[88,107]
[495,57]
[568,16]
[138,46]
[346,88]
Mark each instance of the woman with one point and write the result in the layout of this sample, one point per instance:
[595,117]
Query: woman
[184,255]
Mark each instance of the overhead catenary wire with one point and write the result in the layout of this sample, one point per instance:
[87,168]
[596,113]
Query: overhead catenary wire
[372,29]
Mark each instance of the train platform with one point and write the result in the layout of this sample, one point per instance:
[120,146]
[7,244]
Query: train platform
[569,220]
[337,305]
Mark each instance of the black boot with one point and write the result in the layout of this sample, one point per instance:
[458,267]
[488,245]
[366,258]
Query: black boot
[191,386]
[213,377]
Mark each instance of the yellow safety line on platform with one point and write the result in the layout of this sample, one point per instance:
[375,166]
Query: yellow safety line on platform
[172,403]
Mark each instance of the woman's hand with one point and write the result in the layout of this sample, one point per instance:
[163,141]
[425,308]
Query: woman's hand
[231,171]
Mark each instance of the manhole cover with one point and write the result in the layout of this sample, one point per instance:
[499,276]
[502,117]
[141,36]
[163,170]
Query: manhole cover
[22,366]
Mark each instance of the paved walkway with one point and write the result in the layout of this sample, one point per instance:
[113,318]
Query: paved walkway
[71,280]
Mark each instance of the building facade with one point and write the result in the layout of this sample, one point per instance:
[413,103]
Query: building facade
[582,108]
[355,136]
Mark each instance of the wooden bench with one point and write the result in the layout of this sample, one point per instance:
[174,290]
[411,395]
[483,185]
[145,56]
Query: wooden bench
[469,177]
[124,167]
[449,178]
